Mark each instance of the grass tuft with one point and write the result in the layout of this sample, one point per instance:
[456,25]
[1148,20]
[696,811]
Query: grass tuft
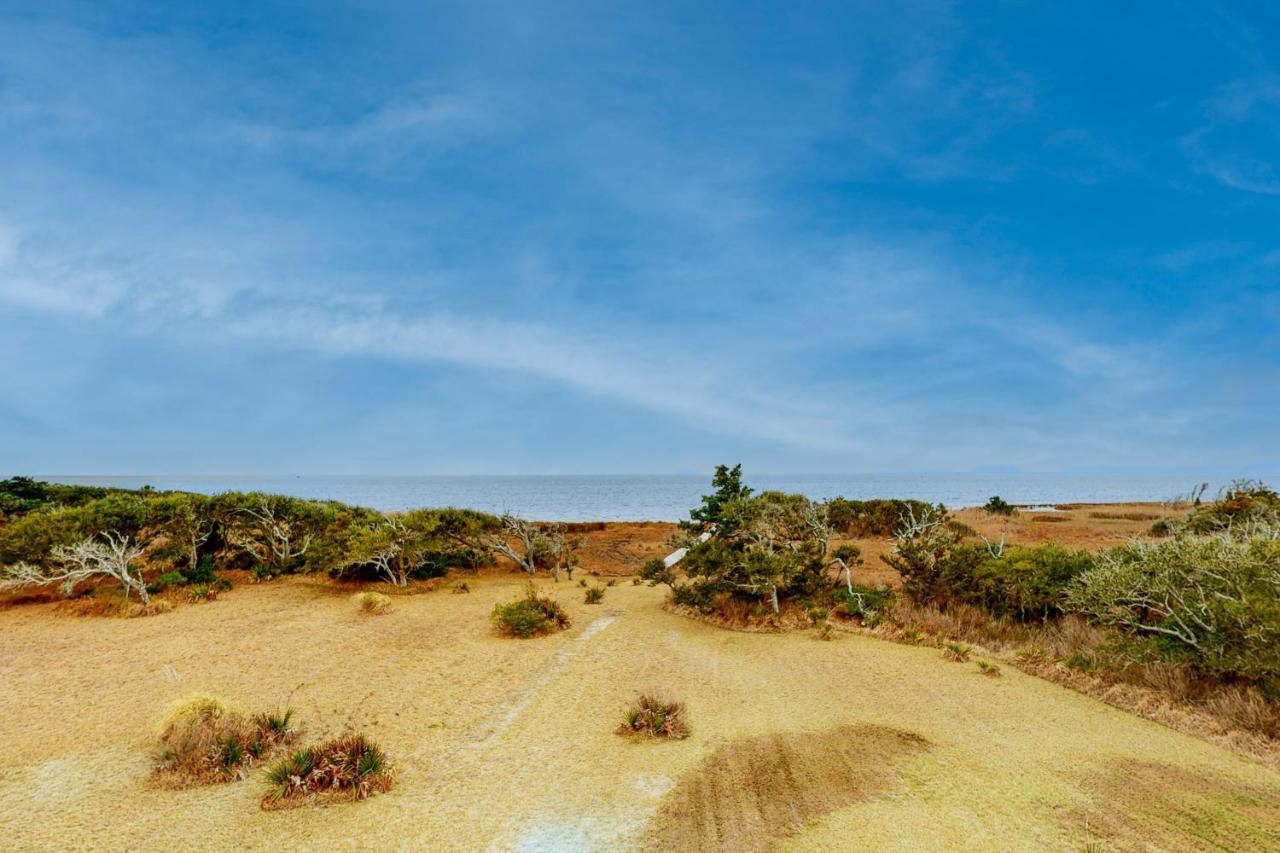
[372,603]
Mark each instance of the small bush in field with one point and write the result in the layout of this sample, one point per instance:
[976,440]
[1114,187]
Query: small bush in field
[957,652]
[461,588]
[531,616]
[582,582]
[372,603]
[595,595]
[202,592]
[202,741]
[654,716]
[350,767]
[998,506]
[989,669]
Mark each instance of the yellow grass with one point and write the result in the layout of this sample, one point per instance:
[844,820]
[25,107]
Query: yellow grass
[504,745]
[373,603]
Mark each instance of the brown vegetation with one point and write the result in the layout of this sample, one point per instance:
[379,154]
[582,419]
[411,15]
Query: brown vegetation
[1150,806]
[752,792]
[202,741]
[656,717]
[350,767]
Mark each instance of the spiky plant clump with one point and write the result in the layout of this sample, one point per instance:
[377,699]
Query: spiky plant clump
[957,652]
[372,603]
[655,716]
[594,595]
[350,767]
[989,669]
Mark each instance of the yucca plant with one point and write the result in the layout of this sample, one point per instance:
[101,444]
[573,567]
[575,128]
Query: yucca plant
[655,716]
[349,767]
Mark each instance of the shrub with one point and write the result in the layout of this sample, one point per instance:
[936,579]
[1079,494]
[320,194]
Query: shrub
[350,767]
[372,603]
[957,652]
[998,506]
[656,717]
[531,616]
[203,571]
[165,581]
[461,588]
[1242,503]
[988,669]
[1212,599]
[202,741]
[864,602]
[201,592]
[594,595]
[1024,583]
[877,517]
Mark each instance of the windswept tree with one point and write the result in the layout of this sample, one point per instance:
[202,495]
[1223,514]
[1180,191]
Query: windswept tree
[528,544]
[108,555]
[186,520]
[274,530]
[765,546]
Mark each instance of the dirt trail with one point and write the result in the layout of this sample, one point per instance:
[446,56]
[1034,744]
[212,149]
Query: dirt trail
[1011,763]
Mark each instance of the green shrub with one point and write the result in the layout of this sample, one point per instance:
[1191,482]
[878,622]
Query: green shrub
[167,580]
[1023,583]
[203,571]
[865,602]
[957,652]
[594,595]
[998,506]
[876,517]
[988,669]
[1242,503]
[1214,600]
[201,592]
[531,616]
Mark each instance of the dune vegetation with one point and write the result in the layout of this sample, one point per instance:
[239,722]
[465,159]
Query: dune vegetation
[979,726]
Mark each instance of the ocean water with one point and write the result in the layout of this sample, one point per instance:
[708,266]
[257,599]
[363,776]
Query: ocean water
[662,497]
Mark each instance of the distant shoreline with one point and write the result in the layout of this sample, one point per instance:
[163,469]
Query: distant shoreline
[661,497]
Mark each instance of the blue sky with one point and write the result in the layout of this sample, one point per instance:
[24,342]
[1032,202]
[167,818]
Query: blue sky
[560,237]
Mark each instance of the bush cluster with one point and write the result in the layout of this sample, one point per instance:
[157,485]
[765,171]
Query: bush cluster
[348,767]
[203,741]
[177,538]
[876,517]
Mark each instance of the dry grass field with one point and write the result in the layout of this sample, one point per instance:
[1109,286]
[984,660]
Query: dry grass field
[509,744]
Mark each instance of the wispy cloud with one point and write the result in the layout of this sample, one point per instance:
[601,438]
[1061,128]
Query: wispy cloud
[1238,141]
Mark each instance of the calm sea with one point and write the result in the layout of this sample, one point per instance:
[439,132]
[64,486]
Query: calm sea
[662,497]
